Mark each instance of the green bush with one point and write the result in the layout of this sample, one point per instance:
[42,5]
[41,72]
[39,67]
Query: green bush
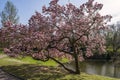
[1,50]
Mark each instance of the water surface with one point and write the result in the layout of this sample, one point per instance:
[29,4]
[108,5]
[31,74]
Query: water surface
[101,68]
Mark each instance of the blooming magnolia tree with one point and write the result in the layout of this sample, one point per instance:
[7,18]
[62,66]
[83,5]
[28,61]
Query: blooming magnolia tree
[61,32]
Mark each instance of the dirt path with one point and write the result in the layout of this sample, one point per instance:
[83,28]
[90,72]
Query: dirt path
[6,76]
[2,56]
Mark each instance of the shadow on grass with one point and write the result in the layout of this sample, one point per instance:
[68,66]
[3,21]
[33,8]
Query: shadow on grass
[35,72]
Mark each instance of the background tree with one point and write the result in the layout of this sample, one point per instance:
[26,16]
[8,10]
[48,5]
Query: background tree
[113,39]
[9,13]
[62,32]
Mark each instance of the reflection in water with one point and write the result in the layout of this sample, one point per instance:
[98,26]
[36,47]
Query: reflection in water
[117,71]
[100,68]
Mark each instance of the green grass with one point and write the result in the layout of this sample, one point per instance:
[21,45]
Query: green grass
[27,60]
[10,61]
[37,72]
[47,63]
[30,69]
[85,76]
[1,51]
[32,61]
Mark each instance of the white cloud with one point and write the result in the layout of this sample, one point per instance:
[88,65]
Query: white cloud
[111,7]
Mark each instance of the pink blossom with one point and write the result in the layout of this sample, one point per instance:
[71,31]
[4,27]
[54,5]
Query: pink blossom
[60,32]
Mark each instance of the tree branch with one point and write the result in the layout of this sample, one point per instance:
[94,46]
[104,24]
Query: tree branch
[69,70]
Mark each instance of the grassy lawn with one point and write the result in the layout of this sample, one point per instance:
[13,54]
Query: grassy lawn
[30,69]
[27,60]
[85,76]
[1,51]
[37,72]
[47,63]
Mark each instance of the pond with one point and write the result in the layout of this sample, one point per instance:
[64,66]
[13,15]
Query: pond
[101,68]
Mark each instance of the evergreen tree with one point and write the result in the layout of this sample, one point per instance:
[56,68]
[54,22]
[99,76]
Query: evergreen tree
[9,13]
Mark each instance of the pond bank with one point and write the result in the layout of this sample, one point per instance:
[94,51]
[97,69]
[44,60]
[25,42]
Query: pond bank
[42,71]
[101,68]
[35,72]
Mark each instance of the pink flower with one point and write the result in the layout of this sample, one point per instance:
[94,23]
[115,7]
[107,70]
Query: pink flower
[6,50]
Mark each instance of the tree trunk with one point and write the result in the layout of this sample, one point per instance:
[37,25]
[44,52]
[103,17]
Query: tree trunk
[77,70]
[114,57]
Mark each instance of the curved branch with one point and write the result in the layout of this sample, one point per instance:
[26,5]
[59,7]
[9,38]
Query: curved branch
[69,70]
[85,32]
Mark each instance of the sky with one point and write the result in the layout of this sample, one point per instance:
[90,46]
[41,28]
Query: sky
[111,7]
[26,8]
